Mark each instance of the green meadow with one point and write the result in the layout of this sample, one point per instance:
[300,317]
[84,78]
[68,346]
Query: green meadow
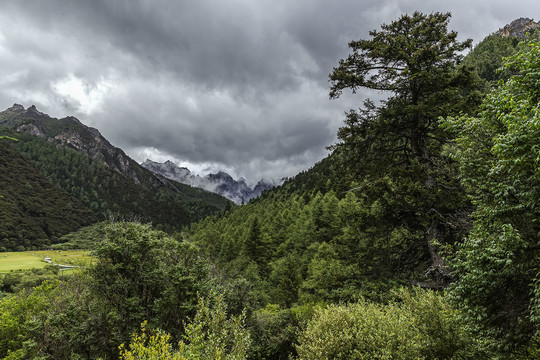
[25,260]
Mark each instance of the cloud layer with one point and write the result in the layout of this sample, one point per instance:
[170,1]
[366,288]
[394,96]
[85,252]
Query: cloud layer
[237,85]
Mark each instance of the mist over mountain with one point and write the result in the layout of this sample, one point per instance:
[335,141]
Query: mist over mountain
[220,182]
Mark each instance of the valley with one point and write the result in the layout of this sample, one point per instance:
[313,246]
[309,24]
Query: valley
[416,237]
[27,260]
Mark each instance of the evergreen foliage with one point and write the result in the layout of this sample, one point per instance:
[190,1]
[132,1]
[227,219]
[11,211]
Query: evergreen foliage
[33,211]
[408,188]
[487,58]
[311,239]
[107,192]
[142,274]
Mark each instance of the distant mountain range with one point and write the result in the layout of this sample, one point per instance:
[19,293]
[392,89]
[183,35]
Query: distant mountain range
[69,132]
[220,182]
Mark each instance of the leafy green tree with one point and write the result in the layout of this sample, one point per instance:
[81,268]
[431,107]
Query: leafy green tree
[324,211]
[414,58]
[150,346]
[14,313]
[329,278]
[253,247]
[285,280]
[273,333]
[57,320]
[212,334]
[497,267]
[142,274]
[395,151]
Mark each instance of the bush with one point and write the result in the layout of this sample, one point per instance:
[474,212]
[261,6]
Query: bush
[421,325]
[210,335]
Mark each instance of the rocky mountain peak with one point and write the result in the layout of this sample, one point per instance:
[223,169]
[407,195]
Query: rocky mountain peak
[77,121]
[16,107]
[220,182]
[71,133]
[167,169]
[221,176]
[519,28]
[33,109]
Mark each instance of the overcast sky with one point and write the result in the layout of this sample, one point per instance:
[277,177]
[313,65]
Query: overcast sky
[237,85]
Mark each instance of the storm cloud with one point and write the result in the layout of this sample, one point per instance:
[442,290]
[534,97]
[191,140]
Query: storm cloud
[237,85]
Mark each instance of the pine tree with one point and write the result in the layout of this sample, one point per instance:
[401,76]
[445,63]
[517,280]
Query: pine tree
[409,188]
[253,248]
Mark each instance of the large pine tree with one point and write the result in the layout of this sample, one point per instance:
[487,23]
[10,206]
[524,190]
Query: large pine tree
[395,151]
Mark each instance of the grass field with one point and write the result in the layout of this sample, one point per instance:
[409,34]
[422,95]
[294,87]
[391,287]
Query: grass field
[24,260]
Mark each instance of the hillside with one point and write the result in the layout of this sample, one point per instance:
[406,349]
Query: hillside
[371,216]
[487,56]
[33,210]
[103,177]
[69,132]
[386,208]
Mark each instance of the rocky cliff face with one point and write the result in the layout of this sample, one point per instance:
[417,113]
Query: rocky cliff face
[221,182]
[519,28]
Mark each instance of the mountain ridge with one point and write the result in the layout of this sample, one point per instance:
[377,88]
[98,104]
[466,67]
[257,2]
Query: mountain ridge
[219,182]
[70,132]
[102,175]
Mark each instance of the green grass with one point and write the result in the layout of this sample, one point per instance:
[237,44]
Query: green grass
[25,260]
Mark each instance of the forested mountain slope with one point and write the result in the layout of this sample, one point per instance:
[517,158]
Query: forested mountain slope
[374,207]
[82,162]
[487,56]
[378,200]
[69,132]
[33,210]
[392,203]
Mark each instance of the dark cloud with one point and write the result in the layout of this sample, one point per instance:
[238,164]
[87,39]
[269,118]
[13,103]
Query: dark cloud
[240,85]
